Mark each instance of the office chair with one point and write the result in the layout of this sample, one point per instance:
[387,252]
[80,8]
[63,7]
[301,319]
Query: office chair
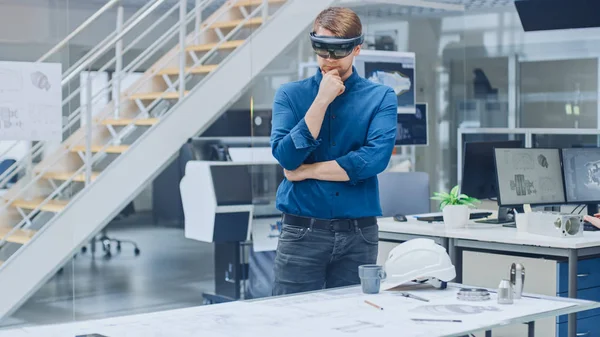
[404,193]
[5,165]
[107,241]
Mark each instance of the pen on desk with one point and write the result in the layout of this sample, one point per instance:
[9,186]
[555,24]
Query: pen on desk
[414,296]
[436,320]
[373,305]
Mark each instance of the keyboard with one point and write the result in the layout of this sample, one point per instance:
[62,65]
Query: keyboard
[589,227]
[439,218]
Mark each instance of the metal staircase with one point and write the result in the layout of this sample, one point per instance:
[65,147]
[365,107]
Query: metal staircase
[69,195]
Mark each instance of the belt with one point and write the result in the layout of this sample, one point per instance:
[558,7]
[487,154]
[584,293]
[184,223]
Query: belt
[334,225]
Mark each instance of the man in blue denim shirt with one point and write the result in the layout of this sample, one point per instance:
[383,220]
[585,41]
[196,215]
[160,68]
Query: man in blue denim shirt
[332,133]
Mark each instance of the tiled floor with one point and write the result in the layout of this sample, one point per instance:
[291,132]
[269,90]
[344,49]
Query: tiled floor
[171,272]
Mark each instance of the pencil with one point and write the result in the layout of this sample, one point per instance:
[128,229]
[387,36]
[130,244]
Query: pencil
[373,305]
[436,320]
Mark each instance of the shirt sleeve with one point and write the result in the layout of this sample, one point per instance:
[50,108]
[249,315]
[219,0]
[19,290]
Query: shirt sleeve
[372,158]
[291,141]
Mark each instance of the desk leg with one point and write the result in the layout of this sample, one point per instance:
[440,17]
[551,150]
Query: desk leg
[456,258]
[572,289]
[488,333]
[531,329]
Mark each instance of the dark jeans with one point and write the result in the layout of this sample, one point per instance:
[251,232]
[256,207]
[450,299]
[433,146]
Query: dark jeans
[313,259]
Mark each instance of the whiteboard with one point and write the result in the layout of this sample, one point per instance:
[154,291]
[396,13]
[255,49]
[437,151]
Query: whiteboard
[30,101]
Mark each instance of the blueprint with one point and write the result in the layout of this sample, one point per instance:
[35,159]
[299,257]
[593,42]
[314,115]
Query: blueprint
[30,101]
[336,313]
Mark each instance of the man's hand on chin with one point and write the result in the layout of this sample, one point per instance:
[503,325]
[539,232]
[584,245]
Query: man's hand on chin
[301,173]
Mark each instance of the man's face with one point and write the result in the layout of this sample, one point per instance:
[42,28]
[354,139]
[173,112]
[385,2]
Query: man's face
[344,65]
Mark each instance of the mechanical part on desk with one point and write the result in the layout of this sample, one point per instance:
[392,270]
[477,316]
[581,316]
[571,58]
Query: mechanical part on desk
[409,295]
[419,260]
[505,292]
[555,224]
[517,279]
[473,294]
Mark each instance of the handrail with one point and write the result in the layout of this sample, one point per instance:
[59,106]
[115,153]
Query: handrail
[131,125]
[112,42]
[38,147]
[107,38]
[78,30]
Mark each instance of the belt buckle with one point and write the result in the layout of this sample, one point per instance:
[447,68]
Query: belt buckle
[348,228]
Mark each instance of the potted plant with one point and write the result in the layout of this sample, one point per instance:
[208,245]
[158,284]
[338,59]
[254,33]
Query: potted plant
[455,207]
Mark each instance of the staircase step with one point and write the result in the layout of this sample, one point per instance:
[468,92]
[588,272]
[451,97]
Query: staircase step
[127,121]
[209,46]
[155,95]
[64,176]
[232,24]
[51,206]
[244,3]
[19,236]
[98,148]
[205,69]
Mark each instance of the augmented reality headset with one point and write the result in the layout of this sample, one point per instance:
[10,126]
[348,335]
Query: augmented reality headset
[334,47]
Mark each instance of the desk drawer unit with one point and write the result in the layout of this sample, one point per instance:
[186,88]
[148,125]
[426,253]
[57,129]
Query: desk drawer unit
[587,327]
[545,277]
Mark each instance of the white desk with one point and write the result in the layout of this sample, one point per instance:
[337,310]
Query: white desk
[333,313]
[496,238]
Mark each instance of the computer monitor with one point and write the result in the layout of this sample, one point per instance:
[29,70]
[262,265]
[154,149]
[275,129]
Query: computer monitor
[412,127]
[529,176]
[479,169]
[581,171]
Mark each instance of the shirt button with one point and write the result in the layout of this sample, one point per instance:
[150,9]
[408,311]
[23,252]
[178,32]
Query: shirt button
[337,194]
[332,143]
[333,116]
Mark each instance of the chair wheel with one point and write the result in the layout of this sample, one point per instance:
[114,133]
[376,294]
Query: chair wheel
[108,255]
[136,251]
[118,247]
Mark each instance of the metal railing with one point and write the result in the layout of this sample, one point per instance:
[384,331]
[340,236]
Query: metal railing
[115,39]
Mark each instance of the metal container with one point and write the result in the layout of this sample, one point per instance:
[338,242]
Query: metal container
[517,279]
[505,292]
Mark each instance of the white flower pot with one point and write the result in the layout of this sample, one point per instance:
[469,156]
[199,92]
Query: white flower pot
[456,216]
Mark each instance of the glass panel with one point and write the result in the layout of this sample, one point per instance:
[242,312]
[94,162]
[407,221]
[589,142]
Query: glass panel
[565,141]
[559,93]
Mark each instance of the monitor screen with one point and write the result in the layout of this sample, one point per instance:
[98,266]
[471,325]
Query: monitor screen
[529,176]
[581,169]
[479,170]
[233,184]
[412,127]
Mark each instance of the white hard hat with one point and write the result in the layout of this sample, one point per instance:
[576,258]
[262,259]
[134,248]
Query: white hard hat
[420,260]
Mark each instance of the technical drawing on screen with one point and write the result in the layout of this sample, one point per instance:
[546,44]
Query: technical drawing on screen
[529,176]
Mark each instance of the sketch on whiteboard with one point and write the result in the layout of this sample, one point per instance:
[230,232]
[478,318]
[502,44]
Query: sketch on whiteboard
[40,80]
[9,117]
[10,80]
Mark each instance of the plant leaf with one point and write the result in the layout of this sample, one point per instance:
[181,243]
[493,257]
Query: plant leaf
[454,191]
[443,204]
